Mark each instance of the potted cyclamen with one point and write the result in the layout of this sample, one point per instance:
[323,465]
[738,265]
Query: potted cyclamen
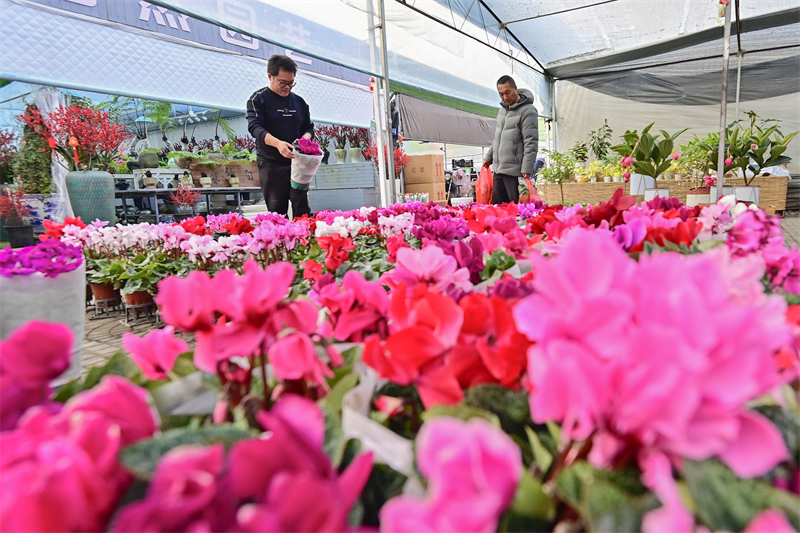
[184,198]
[12,210]
[88,141]
[307,159]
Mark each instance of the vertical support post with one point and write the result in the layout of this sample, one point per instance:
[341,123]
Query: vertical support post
[723,108]
[383,180]
[738,82]
[386,102]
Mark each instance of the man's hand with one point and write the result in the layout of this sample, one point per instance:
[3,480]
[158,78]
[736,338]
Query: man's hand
[307,136]
[285,149]
[526,176]
[487,164]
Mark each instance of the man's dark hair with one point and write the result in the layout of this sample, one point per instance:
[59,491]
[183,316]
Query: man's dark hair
[502,81]
[280,62]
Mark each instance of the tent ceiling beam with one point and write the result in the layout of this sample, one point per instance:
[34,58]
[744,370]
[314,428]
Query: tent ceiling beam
[521,44]
[676,62]
[579,69]
[505,24]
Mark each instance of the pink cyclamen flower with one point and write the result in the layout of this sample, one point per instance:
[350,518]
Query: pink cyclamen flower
[769,521]
[670,330]
[473,469]
[156,352]
[183,495]
[429,265]
[675,156]
[30,358]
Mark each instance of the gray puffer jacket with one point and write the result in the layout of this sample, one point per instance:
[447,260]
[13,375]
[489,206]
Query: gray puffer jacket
[516,139]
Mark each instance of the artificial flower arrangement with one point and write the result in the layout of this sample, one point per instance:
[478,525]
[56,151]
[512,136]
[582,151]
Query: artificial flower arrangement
[489,381]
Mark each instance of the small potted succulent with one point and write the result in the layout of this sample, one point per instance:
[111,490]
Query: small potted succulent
[13,208]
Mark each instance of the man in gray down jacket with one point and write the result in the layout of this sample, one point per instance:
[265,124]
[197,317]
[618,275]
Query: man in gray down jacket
[516,140]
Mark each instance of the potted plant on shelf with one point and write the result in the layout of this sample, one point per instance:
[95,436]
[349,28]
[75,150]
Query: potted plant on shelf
[13,208]
[766,148]
[340,134]
[184,199]
[323,135]
[648,156]
[558,169]
[103,276]
[600,140]
[149,158]
[87,141]
[356,137]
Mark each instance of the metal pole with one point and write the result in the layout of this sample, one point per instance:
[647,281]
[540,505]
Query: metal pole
[387,103]
[738,82]
[386,197]
[723,111]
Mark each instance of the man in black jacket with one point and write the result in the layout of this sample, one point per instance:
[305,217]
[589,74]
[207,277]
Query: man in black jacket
[276,118]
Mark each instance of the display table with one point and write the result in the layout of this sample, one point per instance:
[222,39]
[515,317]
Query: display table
[773,190]
[163,176]
[156,193]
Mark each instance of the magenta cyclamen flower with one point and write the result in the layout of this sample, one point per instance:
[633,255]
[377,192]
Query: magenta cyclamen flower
[308,146]
[659,356]
[429,265]
[156,352]
[51,258]
[473,469]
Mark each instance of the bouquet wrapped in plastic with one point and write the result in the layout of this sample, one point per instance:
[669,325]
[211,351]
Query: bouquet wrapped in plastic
[307,160]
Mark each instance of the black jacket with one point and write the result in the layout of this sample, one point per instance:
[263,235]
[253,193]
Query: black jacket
[286,118]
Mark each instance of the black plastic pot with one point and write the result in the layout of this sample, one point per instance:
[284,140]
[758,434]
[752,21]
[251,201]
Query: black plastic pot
[20,236]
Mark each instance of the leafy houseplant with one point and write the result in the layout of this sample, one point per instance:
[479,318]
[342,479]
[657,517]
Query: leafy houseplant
[559,169]
[323,136]
[600,140]
[31,165]
[580,152]
[651,156]
[8,151]
[766,149]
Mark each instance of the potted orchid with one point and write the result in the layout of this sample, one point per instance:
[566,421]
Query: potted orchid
[13,208]
[647,156]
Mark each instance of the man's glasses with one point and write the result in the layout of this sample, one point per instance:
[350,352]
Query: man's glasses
[286,84]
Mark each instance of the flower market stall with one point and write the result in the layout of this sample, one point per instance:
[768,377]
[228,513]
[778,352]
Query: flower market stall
[623,366]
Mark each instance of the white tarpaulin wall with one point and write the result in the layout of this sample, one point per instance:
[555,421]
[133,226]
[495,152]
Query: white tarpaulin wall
[581,110]
[50,46]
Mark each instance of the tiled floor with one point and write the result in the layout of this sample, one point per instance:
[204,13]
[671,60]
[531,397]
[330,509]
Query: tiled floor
[104,335]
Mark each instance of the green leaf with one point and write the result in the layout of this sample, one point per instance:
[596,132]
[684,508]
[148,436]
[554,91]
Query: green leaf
[531,509]
[727,503]
[607,501]
[511,407]
[541,455]
[334,436]
[184,365]
[142,457]
[462,412]
[68,390]
[119,365]
[383,483]
[336,395]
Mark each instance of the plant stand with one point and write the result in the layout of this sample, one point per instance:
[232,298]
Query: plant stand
[139,303]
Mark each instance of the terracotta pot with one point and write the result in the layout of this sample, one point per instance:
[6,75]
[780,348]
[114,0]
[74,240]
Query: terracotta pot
[138,298]
[700,190]
[104,291]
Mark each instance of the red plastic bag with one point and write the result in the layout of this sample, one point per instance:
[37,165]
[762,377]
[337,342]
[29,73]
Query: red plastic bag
[484,188]
[533,195]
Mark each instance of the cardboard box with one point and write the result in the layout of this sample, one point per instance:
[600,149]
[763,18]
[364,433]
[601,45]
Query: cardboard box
[425,169]
[436,192]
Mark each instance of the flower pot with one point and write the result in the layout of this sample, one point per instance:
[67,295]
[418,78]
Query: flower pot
[205,182]
[582,179]
[593,179]
[700,190]
[341,154]
[104,294]
[91,194]
[138,298]
[355,155]
[617,179]
[234,182]
[696,199]
[42,207]
[20,236]
[148,160]
[180,217]
[60,299]
[150,183]
[650,194]
[747,194]
[607,179]
[669,176]
[640,182]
